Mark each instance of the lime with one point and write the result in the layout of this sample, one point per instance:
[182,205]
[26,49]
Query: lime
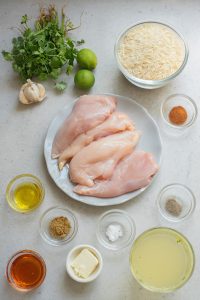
[87,59]
[84,79]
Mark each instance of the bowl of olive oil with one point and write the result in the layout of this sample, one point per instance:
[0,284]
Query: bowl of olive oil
[25,193]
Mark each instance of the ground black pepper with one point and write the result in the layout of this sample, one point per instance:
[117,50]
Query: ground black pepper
[173,207]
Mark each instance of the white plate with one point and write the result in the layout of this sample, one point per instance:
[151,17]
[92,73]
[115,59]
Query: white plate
[150,142]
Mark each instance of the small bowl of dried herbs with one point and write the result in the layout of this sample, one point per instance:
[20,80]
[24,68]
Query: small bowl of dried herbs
[58,226]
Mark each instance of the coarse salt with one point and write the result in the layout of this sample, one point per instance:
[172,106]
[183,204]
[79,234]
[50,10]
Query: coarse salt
[114,232]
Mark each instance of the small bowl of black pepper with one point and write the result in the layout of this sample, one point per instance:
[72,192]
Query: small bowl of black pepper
[176,202]
[58,226]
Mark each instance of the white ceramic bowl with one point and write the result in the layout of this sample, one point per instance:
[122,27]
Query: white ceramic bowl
[73,254]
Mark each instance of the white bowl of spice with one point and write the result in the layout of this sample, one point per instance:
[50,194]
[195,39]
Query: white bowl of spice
[84,263]
[176,202]
[150,54]
[58,226]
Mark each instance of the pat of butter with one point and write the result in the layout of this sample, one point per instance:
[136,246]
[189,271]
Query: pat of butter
[84,264]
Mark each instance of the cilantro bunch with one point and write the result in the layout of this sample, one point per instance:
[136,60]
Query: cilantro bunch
[45,50]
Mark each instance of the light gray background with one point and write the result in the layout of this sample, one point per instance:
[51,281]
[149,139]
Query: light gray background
[23,129]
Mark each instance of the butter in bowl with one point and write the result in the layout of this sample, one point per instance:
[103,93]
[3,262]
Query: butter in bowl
[84,263]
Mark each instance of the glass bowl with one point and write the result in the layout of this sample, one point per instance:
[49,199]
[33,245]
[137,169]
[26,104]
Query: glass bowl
[36,190]
[19,278]
[143,83]
[48,216]
[162,260]
[117,218]
[178,100]
[183,196]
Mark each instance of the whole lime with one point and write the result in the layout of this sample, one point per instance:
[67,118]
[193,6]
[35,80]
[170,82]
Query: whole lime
[84,79]
[87,59]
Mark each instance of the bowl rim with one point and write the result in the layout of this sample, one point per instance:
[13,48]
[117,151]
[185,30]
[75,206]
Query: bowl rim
[188,98]
[58,242]
[192,205]
[147,81]
[91,276]
[192,252]
[132,225]
[10,184]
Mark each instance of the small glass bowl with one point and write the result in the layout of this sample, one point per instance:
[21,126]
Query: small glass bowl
[143,83]
[178,100]
[116,217]
[12,280]
[15,182]
[183,195]
[48,216]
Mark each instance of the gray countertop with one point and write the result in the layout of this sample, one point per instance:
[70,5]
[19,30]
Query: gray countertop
[23,130]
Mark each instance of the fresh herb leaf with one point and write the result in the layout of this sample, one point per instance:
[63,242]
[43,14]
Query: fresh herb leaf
[80,42]
[7,56]
[61,86]
[42,76]
[69,70]
[55,73]
[24,19]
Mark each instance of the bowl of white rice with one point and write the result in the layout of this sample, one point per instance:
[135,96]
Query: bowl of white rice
[150,54]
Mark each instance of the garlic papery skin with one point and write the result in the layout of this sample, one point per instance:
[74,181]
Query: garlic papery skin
[31,92]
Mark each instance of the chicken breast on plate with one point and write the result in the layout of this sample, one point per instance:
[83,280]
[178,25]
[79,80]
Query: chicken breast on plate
[133,172]
[99,159]
[88,112]
[117,122]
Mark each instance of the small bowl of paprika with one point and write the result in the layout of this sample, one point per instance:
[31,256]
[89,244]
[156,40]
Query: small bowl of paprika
[178,113]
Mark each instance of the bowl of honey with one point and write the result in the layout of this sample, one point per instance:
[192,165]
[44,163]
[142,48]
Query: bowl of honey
[26,270]
[25,193]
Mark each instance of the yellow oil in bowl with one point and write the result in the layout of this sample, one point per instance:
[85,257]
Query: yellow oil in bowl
[162,259]
[25,193]
[27,196]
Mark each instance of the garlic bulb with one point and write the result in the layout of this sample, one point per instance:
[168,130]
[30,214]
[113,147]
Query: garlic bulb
[31,92]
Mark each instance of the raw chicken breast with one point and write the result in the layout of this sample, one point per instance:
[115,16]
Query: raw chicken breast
[99,159]
[133,172]
[88,112]
[117,122]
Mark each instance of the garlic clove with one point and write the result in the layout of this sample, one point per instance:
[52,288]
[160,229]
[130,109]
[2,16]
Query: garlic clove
[42,92]
[22,98]
[31,92]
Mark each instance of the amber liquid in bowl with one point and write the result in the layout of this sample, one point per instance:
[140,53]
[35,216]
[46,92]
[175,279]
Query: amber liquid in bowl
[26,270]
